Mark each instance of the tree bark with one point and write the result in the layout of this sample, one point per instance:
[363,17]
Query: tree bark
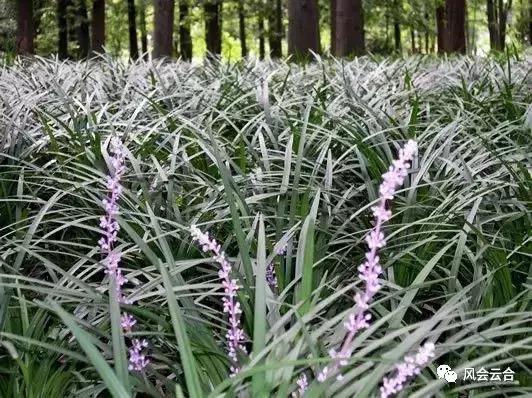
[455,11]
[83,33]
[132,29]
[530,23]
[441,27]
[492,25]
[185,39]
[213,26]
[242,29]
[398,7]
[262,31]
[275,29]
[62,25]
[349,28]
[163,29]
[303,29]
[277,45]
[98,26]
[142,28]
[25,28]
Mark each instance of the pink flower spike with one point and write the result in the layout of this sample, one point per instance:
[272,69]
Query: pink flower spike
[235,335]
[411,366]
[370,270]
[111,262]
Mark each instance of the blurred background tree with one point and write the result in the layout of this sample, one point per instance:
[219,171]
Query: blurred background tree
[262,28]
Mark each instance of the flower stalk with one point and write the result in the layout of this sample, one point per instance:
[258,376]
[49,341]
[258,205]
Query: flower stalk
[137,359]
[235,335]
[370,270]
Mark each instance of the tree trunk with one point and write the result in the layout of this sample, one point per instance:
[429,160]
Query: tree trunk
[530,22]
[163,29]
[62,25]
[427,33]
[242,29]
[275,27]
[398,7]
[333,26]
[349,28]
[98,26]
[303,29]
[441,27]
[276,31]
[262,33]
[25,28]
[132,29]
[455,11]
[213,26]
[83,29]
[492,25]
[413,40]
[185,39]
[142,28]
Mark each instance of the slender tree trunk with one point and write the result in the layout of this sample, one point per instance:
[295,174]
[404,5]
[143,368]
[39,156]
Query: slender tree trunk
[398,8]
[349,29]
[441,27]
[427,33]
[455,12]
[530,22]
[62,42]
[132,29]
[83,29]
[413,40]
[98,26]
[492,25]
[213,26]
[504,8]
[262,31]
[164,28]
[142,28]
[303,29]
[185,39]
[333,26]
[276,46]
[25,28]
[275,29]
[242,29]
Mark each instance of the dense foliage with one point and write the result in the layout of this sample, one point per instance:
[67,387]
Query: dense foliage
[263,155]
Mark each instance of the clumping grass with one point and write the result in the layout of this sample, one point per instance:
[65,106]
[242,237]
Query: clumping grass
[281,164]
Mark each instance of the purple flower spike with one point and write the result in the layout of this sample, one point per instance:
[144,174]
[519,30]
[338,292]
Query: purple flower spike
[302,385]
[370,270]
[235,335]
[410,367]
[110,226]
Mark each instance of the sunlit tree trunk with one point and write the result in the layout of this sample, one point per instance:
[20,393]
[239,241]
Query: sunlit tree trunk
[98,26]
[213,26]
[163,29]
[132,29]
[303,29]
[185,39]
[25,28]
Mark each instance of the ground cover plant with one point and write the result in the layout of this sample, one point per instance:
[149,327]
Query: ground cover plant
[249,190]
